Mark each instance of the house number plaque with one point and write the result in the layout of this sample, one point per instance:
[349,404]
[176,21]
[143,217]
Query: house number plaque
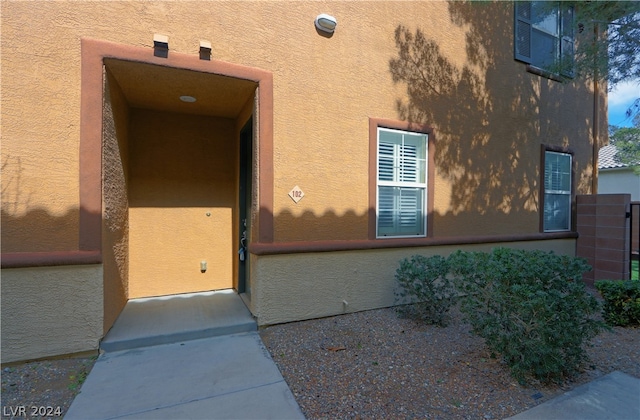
[296,194]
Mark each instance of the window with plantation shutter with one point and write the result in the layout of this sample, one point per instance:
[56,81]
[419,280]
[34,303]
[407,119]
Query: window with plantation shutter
[543,35]
[557,191]
[402,183]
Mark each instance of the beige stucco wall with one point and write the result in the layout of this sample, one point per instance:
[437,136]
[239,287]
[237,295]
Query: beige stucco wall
[115,201]
[318,284]
[182,194]
[50,311]
[488,113]
[39,130]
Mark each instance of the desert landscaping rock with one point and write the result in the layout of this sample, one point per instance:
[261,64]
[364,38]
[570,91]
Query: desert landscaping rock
[43,386]
[398,368]
[369,365]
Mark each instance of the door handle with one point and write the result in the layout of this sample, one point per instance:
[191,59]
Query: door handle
[243,246]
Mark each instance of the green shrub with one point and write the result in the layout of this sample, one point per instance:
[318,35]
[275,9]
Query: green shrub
[621,301]
[424,290]
[531,307]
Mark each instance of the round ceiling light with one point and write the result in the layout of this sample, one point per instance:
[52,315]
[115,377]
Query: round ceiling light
[187,98]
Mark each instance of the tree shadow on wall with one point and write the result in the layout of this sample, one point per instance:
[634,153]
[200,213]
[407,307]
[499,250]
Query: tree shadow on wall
[326,226]
[489,115]
[36,229]
[40,231]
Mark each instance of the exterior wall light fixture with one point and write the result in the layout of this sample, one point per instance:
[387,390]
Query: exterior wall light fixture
[160,45]
[326,23]
[205,50]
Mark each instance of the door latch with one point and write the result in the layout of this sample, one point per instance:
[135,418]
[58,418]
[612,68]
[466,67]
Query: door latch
[243,246]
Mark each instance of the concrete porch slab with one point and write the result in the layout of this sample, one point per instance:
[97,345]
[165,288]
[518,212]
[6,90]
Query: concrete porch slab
[178,318]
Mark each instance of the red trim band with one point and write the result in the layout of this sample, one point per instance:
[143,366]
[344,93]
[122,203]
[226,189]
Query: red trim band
[48,259]
[346,245]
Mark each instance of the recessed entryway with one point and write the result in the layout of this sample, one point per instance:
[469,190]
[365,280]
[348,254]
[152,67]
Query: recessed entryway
[126,87]
[178,135]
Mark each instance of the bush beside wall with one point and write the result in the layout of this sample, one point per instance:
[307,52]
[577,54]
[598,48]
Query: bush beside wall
[531,307]
[621,301]
[424,289]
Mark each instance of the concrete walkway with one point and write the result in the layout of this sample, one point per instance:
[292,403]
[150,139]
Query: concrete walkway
[166,359]
[615,396]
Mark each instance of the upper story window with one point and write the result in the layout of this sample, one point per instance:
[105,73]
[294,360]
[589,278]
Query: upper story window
[401,183]
[544,35]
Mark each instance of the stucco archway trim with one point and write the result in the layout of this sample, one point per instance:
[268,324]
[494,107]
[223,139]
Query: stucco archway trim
[93,54]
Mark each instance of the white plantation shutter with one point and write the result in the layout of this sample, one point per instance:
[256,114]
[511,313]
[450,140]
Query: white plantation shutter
[401,183]
[408,164]
[386,154]
[557,191]
[386,206]
[557,169]
[409,207]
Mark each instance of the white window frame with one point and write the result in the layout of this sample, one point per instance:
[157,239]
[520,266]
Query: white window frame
[562,192]
[402,184]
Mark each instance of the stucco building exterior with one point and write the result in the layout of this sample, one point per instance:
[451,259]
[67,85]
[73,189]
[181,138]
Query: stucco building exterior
[615,177]
[142,141]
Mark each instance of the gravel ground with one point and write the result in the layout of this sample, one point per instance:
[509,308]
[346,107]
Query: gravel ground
[368,365]
[44,388]
[374,365]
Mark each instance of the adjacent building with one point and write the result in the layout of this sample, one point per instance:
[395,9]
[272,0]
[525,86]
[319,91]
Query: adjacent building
[615,177]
